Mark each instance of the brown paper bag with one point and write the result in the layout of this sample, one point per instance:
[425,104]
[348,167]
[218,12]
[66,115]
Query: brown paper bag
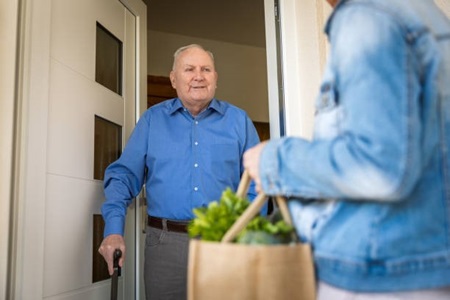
[235,271]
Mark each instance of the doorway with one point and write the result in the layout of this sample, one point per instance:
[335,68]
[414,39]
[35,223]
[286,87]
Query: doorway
[233,31]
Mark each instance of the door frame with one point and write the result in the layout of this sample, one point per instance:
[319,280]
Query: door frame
[139,10]
[296,54]
[8,57]
[29,182]
[29,170]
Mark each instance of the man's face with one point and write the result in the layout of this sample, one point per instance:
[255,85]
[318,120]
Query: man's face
[194,76]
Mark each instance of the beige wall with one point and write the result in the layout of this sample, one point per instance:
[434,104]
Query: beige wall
[242,69]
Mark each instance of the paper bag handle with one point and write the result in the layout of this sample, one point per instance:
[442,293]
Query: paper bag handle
[253,209]
[243,184]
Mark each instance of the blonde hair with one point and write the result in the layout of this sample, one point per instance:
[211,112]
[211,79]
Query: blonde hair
[184,48]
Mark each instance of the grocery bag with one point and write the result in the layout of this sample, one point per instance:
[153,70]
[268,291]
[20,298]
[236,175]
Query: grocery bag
[226,270]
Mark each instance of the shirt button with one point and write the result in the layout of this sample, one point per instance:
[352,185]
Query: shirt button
[196,143]
[196,165]
[195,188]
[196,122]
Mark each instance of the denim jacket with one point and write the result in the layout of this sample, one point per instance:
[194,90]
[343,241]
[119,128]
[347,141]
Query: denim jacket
[379,160]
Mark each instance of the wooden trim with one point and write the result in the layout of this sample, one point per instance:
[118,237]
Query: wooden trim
[159,88]
[263,129]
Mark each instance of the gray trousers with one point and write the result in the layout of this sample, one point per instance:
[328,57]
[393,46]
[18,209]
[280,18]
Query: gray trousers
[165,266]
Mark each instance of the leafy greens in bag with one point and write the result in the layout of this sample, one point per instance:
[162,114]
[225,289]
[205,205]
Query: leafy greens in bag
[212,222]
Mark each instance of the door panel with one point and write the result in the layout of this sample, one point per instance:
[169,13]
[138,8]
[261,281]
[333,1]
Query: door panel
[74,102]
[73,31]
[68,244]
[73,196]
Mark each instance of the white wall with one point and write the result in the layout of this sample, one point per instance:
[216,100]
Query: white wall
[242,69]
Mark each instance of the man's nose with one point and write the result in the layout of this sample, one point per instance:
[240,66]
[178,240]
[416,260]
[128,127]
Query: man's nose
[198,75]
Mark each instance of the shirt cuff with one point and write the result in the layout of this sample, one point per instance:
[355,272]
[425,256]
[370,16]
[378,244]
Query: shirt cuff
[114,225]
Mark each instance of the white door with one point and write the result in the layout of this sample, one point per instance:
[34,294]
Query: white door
[59,193]
[76,99]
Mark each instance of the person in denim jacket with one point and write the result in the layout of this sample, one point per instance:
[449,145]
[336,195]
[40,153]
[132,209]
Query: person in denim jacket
[380,158]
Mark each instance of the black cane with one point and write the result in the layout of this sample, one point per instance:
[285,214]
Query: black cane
[116,274]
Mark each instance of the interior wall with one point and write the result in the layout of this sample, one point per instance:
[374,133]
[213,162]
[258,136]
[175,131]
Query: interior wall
[242,69]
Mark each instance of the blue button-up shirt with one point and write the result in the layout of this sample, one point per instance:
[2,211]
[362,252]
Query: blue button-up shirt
[184,161]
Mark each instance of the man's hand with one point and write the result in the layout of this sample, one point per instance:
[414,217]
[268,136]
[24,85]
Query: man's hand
[107,248]
[251,160]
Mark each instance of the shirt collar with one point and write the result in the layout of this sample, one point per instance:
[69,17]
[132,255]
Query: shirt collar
[217,106]
[214,105]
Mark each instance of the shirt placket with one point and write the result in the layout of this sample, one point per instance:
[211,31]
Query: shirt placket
[195,162]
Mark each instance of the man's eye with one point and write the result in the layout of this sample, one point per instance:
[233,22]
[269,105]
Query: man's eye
[207,69]
[188,69]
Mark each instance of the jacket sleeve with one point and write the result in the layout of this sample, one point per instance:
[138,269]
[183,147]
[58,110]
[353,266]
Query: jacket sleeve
[368,127]
[252,140]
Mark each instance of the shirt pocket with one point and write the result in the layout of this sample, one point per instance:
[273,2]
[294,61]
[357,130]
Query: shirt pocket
[328,112]
[225,160]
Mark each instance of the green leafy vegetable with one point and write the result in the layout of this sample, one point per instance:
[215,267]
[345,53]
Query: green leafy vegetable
[212,222]
[262,231]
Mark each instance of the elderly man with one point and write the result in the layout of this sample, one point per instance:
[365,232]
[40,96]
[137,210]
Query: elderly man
[186,150]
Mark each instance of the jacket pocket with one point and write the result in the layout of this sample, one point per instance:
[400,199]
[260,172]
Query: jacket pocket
[327,99]
[328,112]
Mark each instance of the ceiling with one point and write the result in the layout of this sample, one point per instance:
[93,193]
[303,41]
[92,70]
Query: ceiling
[233,21]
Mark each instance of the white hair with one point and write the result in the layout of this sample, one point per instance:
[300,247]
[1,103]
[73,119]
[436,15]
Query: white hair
[181,49]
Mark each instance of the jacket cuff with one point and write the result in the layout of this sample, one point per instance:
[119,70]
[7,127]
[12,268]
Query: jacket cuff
[269,167]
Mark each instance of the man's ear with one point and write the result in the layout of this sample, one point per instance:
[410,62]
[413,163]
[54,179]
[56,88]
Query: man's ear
[172,79]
